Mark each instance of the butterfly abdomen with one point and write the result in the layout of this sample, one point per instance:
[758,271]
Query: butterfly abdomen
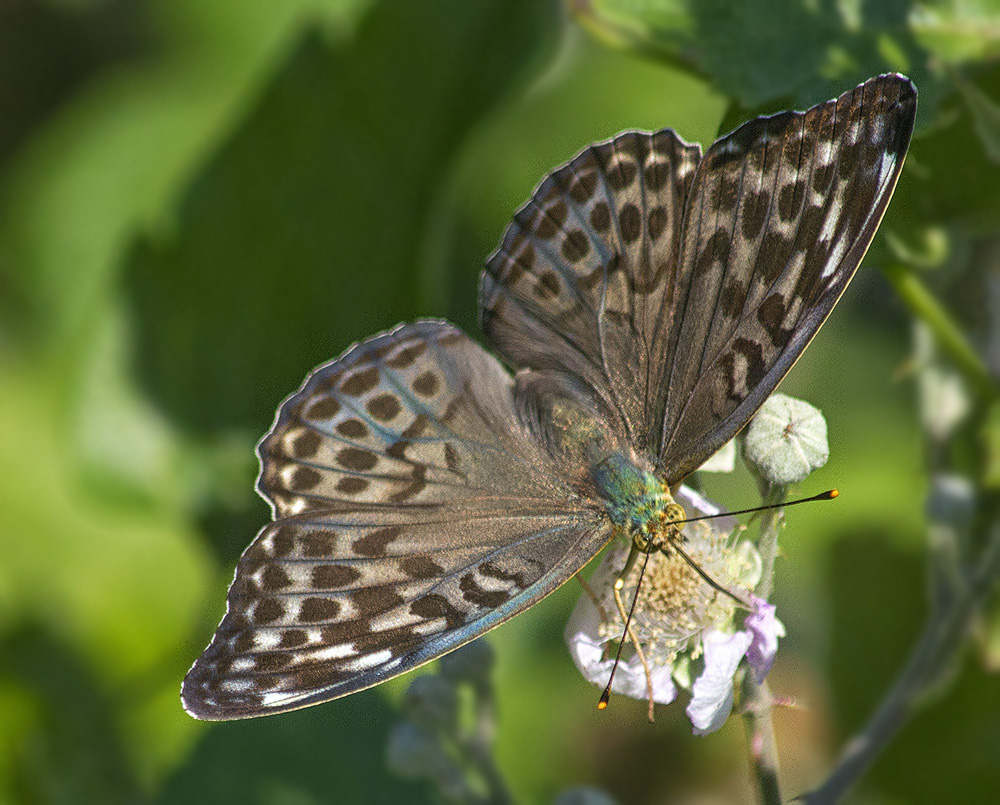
[634,497]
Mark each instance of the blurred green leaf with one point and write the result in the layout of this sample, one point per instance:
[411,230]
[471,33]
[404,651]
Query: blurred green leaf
[988,636]
[69,750]
[119,583]
[869,633]
[330,754]
[872,626]
[949,179]
[991,447]
[758,51]
[958,30]
[985,116]
[114,156]
[305,231]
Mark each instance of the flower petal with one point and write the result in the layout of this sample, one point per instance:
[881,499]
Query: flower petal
[587,650]
[723,461]
[765,630]
[712,692]
[698,505]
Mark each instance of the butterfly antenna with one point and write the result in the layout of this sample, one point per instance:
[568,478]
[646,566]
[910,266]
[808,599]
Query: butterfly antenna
[602,703]
[606,696]
[830,494]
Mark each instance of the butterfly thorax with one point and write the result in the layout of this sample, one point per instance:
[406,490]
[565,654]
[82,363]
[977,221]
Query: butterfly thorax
[636,500]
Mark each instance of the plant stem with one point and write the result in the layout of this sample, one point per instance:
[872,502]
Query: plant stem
[925,307]
[757,700]
[760,733]
[767,543]
[942,638]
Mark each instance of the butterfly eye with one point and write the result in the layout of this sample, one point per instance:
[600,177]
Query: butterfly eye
[674,514]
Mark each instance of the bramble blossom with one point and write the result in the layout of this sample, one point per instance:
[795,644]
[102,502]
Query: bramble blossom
[686,628]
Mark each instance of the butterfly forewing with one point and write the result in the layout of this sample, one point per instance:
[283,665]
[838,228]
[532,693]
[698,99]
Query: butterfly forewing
[780,215]
[584,273]
[413,514]
[685,324]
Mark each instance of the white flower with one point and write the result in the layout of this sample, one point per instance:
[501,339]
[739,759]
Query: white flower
[590,656]
[712,692]
[679,618]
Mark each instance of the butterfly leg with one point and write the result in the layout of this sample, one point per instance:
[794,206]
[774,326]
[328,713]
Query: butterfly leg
[593,597]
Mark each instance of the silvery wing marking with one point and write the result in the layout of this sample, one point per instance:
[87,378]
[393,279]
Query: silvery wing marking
[680,290]
[412,514]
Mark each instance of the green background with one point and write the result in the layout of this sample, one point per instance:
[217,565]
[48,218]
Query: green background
[201,201]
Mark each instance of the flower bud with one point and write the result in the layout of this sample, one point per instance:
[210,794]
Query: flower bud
[471,663]
[786,440]
[584,795]
[431,702]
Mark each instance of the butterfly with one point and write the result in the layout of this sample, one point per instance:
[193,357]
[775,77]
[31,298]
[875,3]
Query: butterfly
[649,299]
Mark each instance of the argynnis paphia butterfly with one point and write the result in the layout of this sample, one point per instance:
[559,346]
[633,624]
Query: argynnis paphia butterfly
[648,297]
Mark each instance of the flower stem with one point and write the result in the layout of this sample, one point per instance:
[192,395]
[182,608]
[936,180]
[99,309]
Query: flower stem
[942,638]
[757,700]
[760,733]
[767,543]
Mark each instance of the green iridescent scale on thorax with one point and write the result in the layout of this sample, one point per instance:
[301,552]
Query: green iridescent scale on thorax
[637,502]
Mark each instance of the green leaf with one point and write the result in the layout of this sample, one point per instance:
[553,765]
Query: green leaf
[991,447]
[958,30]
[949,179]
[305,231]
[759,51]
[114,155]
[319,755]
[985,116]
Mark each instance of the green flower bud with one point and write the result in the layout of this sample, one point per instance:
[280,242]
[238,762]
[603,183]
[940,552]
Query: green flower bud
[584,795]
[431,702]
[471,663]
[415,754]
[786,440]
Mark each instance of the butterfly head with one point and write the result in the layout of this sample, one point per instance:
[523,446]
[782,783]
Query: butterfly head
[637,502]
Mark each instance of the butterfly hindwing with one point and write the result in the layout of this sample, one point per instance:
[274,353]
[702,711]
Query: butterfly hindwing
[779,217]
[418,416]
[413,514]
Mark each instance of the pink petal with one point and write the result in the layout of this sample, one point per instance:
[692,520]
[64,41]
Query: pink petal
[765,630]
